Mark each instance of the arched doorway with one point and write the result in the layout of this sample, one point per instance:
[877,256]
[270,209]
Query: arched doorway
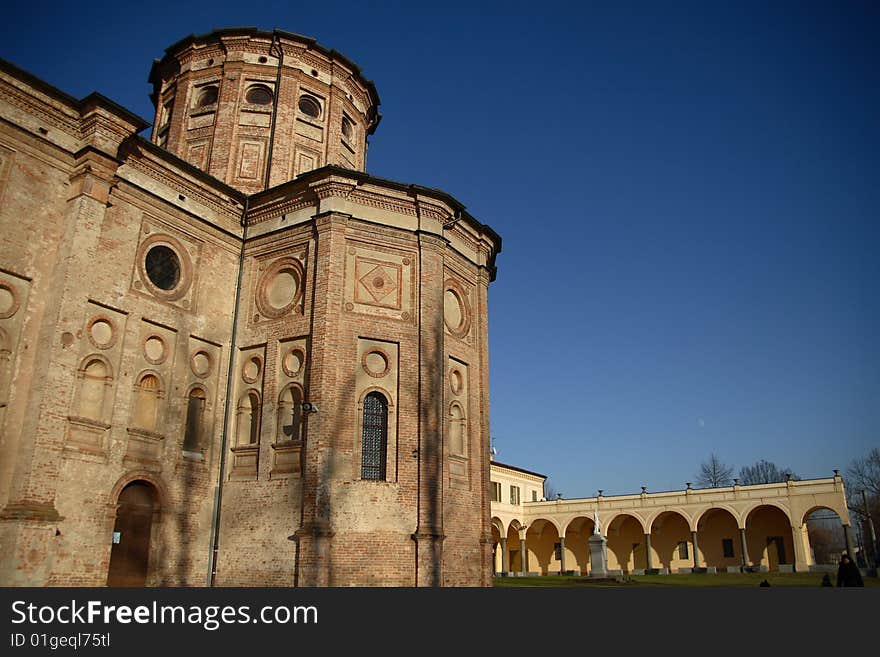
[130,554]
[718,539]
[626,544]
[768,533]
[671,543]
[577,543]
[542,543]
[825,538]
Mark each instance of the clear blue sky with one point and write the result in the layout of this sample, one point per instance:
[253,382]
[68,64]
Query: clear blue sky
[688,197]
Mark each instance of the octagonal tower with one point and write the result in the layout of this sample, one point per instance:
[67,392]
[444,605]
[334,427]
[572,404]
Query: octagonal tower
[256,109]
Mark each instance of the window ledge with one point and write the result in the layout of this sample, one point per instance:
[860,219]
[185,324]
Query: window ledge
[145,433]
[87,422]
[207,109]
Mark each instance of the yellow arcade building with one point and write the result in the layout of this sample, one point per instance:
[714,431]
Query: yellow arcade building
[734,528]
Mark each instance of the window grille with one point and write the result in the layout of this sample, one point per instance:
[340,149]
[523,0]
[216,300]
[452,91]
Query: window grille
[375,437]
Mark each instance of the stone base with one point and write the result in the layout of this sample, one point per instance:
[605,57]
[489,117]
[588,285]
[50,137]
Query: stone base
[786,568]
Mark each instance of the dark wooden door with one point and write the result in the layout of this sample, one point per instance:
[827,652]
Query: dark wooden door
[130,555]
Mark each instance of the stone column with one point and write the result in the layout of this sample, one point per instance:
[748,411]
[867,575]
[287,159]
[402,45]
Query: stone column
[801,548]
[561,554]
[696,549]
[648,560]
[850,546]
[505,557]
[745,547]
[524,556]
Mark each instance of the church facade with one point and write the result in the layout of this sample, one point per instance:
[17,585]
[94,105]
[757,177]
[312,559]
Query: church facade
[228,355]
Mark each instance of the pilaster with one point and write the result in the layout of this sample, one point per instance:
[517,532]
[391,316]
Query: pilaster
[30,516]
[315,533]
[429,534]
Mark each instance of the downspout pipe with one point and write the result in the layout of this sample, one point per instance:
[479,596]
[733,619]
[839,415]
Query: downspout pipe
[218,489]
[275,43]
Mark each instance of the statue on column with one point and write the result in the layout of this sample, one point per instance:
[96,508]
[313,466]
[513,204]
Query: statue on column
[598,554]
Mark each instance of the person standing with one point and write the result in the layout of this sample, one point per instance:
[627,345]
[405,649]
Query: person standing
[848,573]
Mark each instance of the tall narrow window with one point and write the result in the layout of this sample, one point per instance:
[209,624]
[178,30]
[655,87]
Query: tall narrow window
[195,410]
[248,419]
[290,415]
[375,437]
[456,429]
[146,402]
[727,547]
[90,401]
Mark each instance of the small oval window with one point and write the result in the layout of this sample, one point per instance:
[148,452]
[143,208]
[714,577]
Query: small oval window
[309,106]
[347,127]
[258,95]
[207,96]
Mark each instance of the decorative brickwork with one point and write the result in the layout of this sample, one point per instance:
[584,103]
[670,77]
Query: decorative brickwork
[197,320]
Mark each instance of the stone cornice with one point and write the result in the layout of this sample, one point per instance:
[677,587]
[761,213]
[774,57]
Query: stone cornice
[174,173]
[250,39]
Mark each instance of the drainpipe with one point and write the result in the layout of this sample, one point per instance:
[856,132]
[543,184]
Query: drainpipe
[218,489]
[274,106]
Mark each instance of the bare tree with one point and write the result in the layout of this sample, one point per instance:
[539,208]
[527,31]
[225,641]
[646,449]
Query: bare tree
[550,491]
[863,474]
[714,473]
[764,472]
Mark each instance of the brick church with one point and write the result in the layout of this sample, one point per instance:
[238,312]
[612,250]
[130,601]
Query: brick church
[228,355]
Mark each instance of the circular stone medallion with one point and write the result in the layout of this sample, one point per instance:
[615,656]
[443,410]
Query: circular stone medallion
[375,363]
[154,350]
[250,371]
[293,362]
[200,363]
[8,302]
[101,333]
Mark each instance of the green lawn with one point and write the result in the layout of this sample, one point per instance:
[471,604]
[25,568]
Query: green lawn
[720,579]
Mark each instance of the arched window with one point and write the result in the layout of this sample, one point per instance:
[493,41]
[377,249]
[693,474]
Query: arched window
[374,442]
[195,411]
[457,429]
[92,386]
[248,419]
[146,402]
[290,418]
